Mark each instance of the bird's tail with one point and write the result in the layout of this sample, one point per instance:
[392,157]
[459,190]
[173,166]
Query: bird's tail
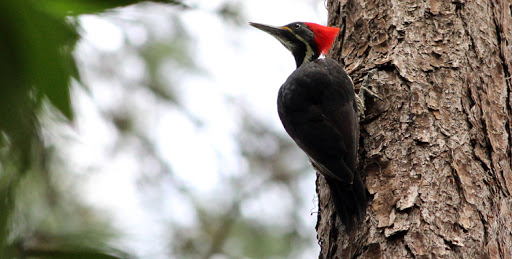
[349,199]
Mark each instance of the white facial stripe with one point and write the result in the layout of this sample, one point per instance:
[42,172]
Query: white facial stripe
[309,50]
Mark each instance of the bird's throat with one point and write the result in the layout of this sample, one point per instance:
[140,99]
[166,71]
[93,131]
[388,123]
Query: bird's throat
[305,53]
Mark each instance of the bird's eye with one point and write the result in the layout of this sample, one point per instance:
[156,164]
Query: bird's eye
[297,26]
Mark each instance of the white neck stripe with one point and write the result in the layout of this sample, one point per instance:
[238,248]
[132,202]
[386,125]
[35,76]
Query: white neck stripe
[309,50]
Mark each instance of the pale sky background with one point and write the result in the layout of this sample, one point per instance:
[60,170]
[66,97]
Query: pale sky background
[240,62]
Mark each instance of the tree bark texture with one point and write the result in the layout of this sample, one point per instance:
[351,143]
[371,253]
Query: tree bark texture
[436,150]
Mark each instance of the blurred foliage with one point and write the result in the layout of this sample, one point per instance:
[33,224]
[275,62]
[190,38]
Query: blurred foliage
[37,39]
[37,65]
[229,234]
[219,227]
[40,214]
[231,11]
[63,8]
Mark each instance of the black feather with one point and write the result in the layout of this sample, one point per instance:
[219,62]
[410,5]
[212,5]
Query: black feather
[318,109]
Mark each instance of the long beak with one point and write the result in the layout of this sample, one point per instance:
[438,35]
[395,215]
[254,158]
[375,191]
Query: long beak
[278,32]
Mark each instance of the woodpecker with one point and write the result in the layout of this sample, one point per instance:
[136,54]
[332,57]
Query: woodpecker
[317,106]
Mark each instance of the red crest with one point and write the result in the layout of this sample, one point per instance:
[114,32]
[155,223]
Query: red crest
[324,36]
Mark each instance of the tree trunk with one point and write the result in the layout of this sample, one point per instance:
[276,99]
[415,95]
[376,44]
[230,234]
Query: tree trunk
[436,150]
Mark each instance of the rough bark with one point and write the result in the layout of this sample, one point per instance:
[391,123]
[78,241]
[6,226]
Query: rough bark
[436,151]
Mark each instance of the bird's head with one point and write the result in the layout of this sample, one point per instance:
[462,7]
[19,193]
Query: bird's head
[307,41]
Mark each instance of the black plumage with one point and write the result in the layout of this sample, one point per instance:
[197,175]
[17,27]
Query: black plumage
[318,109]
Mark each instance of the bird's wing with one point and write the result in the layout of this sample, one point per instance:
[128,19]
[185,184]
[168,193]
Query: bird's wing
[342,119]
[319,115]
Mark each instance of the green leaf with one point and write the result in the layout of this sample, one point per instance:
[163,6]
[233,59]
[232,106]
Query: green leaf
[48,58]
[65,7]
